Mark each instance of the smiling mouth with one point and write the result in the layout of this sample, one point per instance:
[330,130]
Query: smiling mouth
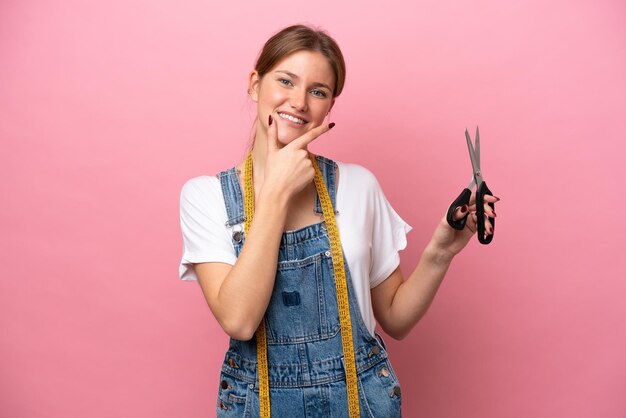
[292,118]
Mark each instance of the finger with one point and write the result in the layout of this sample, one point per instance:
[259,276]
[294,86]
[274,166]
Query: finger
[272,133]
[488,227]
[307,138]
[489,211]
[460,212]
[486,209]
[491,199]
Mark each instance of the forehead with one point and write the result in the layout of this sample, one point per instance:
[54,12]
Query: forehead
[308,65]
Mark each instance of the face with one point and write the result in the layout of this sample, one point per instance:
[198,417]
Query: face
[299,89]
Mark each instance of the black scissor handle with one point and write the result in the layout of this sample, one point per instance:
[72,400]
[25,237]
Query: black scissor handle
[463,199]
[480,213]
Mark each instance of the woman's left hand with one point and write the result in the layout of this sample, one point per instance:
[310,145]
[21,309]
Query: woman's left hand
[452,241]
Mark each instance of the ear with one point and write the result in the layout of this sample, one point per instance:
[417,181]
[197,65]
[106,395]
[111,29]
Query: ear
[253,85]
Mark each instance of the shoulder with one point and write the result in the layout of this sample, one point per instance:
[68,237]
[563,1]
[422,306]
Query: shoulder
[357,176]
[201,189]
[200,184]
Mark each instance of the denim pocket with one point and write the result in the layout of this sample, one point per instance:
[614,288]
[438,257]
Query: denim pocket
[303,305]
[232,397]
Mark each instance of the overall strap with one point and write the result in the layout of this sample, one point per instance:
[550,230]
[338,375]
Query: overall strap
[328,168]
[233,198]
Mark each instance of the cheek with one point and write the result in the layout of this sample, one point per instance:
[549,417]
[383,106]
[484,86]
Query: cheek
[272,98]
[320,113]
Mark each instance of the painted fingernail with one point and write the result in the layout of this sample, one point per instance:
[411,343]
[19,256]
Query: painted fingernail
[494,214]
[497,198]
[330,125]
[464,208]
[270,120]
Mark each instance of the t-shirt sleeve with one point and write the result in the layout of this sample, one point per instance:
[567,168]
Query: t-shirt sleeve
[203,225]
[388,236]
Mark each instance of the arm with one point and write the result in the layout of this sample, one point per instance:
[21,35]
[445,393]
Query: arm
[238,295]
[398,304]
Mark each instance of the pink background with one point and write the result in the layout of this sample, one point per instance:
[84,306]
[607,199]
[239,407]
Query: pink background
[108,107]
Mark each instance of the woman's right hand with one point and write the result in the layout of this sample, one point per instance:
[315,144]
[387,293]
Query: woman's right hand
[288,168]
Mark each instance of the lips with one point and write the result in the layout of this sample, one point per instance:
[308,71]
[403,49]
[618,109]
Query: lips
[293,118]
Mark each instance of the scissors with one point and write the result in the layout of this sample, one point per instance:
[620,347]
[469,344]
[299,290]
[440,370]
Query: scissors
[481,191]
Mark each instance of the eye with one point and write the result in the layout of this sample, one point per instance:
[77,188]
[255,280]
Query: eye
[285,82]
[319,93]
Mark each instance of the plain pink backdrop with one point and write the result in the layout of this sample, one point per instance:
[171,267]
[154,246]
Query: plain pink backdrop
[108,107]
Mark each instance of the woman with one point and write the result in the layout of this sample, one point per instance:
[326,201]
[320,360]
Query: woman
[297,255]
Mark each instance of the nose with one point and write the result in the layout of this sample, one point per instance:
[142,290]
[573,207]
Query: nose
[298,100]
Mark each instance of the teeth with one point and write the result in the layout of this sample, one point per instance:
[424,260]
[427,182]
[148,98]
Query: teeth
[291,118]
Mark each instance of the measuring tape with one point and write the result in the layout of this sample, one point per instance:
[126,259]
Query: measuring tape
[340,286]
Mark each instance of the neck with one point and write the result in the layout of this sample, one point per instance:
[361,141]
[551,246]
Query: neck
[259,153]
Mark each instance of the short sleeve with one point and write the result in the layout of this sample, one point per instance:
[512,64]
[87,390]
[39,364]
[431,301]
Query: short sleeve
[388,237]
[203,219]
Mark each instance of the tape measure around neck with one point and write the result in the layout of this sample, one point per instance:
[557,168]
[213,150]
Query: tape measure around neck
[340,287]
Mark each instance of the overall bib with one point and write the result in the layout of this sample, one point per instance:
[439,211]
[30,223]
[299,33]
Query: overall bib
[304,349]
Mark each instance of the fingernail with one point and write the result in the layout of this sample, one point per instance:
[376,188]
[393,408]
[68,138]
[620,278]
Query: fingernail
[497,197]
[330,125]
[270,120]
[490,230]
[494,214]
[464,208]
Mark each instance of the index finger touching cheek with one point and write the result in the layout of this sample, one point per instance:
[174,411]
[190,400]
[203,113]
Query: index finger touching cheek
[311,135]
[272,134]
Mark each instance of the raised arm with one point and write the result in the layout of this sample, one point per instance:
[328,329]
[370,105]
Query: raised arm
[238,295]
[398,304]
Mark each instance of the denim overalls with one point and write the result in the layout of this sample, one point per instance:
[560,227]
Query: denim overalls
[304,350]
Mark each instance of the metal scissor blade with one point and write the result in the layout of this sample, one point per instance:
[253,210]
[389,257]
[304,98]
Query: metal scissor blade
[477,146]
[474,159]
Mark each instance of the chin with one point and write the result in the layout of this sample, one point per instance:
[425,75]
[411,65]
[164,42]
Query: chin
[285,136]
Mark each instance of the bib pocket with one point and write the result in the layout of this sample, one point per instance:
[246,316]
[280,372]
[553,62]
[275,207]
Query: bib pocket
[303,306]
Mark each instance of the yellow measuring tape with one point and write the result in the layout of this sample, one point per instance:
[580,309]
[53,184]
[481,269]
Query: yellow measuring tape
[340,285]
[261,339]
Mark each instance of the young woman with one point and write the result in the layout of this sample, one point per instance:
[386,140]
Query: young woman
[297,255]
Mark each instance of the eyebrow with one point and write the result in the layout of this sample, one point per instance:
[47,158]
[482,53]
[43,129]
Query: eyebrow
[292,75]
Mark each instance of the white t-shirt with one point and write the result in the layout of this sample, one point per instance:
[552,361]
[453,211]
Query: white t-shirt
[371,232]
